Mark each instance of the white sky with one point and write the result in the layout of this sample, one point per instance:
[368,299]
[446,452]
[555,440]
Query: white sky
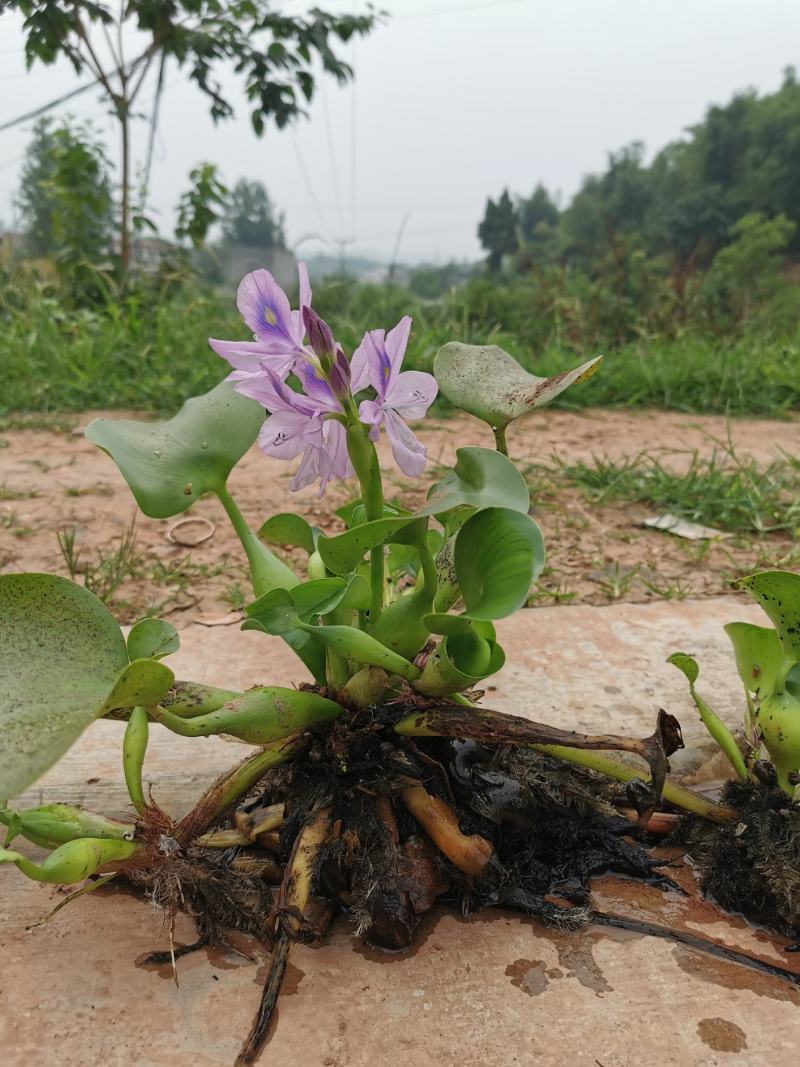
[454,99]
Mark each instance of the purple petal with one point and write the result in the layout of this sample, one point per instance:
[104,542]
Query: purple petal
[307,472]
[409,453]
[265,308]
[247,355]
[370,412]
[396,342]
[335,437]
[316,388]
[412,394]
[359,367]
[281,435]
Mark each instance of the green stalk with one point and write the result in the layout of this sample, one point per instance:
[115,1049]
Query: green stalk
[266,570]
[500,439]
[623,772]
[365,463]
[134,746]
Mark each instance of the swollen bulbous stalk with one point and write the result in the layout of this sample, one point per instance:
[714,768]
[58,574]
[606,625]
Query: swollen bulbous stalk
[365,463]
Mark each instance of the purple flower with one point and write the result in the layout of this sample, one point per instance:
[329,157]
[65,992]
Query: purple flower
[297,425]
[278,331]
[400,394]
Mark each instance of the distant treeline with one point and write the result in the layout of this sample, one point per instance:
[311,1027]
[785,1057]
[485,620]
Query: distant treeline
[699,233]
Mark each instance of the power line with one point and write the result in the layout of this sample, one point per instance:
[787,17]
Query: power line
[312,196]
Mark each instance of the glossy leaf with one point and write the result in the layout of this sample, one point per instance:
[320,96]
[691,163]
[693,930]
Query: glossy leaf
[289,531]
[170,464]
[481,478]
[63,663]
[449,668]
[152,639]
[498,554]
[490,384]
[344,552]
[778,720]
[759,656]
[778,593]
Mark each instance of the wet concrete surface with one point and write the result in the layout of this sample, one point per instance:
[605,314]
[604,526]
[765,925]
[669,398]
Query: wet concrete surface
[493,990]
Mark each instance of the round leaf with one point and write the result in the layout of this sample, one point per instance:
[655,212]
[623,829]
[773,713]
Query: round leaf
[686,665]
[152,639]
[289,531]
[63,663]
[498,554]
[759,656]
[169,464]
[490,384]
[778,593]
[481,478]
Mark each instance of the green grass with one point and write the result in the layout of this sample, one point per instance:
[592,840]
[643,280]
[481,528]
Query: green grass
[722,490]
[150,352]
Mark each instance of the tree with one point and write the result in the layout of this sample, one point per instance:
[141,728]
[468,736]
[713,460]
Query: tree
[538,221]
[251,218]
[498,230]
[65,195]
[201,205]
[274,53]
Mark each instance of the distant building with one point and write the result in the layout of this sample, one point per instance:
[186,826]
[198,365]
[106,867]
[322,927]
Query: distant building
[237,260]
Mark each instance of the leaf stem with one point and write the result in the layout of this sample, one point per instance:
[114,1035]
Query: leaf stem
[500,439]
[266,570]
[624,772]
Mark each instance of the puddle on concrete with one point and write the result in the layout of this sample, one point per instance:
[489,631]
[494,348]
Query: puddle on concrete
[721,1035]
[532,976]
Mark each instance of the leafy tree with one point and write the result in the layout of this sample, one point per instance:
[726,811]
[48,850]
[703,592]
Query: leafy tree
[251,218]
[538,221]
[65,197]
[275,54]
[498,230]
[750,265]
[201,205]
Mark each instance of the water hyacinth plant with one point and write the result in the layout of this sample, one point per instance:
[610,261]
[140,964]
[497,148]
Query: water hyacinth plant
[381,783]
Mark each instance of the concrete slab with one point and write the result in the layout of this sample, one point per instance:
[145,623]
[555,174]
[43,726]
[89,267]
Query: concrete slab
[492,991]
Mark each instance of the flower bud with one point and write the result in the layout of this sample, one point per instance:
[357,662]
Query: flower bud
[319,334]
[339,376]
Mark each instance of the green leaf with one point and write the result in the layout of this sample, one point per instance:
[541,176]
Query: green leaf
[456,665]
[275,613]
[344,552]
[759,656]
[63,663]
[152,639]
[778,593]
[281,610]
[498,554]
[490,384]
[481,478]
[169,464]
[289,531]
[686,664]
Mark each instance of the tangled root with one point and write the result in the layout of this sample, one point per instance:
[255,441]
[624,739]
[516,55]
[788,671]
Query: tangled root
[751,866]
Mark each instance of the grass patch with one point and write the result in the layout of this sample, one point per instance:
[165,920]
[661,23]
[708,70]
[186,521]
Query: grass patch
[722,490]
[150,352]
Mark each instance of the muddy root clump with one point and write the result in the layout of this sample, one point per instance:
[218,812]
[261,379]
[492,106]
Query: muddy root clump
[751,865]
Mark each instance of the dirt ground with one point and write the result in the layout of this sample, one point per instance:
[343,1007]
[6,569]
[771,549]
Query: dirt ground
[52,479]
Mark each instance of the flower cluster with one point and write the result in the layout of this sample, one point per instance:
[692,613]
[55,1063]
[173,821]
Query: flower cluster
[312,420]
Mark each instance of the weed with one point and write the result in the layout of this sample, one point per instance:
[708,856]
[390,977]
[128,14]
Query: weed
[662,587]
[236,596]
[614,579]
[723,490]
[88,490]
[108,570]
[6,493]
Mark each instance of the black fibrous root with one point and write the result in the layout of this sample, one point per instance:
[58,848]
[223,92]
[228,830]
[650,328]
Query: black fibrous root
[751,865]
[380,827]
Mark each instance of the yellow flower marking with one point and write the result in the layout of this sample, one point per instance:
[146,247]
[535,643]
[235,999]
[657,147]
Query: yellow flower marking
[270,317]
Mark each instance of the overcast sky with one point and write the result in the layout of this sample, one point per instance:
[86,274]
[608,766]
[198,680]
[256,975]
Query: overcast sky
[453,100]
